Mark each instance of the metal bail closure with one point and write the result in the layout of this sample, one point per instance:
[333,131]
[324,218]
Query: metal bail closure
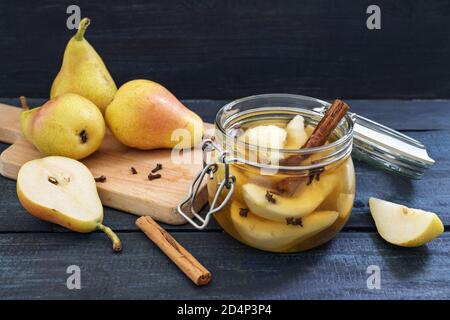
[208,169]
[387,148]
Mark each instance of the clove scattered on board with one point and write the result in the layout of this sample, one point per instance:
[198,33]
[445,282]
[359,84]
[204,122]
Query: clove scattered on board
[100,179]
[157,168]
[152,176]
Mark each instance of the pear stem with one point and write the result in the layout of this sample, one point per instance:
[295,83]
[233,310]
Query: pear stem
[117,244]
[24,103]
[84,23]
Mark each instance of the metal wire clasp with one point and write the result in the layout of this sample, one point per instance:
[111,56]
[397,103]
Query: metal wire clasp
[228,182]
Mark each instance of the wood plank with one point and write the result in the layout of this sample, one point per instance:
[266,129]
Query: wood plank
[34,266]
[403,115]
[430,193]
[9,124]
[223,49]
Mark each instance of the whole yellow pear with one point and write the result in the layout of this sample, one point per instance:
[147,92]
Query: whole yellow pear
[145,115]
[83,72]
[68,125]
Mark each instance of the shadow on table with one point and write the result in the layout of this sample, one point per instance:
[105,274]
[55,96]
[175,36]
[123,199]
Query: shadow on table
[403,263]
[375,182]
[379,183]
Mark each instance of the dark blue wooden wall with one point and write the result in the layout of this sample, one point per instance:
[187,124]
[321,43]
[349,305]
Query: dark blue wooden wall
[228,49]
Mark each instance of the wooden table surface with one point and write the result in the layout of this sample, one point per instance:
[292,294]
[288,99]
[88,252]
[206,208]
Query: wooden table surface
[34,255]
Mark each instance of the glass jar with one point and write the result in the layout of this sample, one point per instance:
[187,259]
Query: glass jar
[262,198]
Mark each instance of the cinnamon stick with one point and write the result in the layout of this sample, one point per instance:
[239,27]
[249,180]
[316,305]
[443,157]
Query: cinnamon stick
[179,255]
[320,135]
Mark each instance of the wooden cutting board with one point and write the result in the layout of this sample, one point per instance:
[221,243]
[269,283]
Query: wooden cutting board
[122,190]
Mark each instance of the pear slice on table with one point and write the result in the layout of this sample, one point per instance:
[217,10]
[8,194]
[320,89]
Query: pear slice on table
[270,235]
[63,191]
[304,201]
[83,72]
[404,226]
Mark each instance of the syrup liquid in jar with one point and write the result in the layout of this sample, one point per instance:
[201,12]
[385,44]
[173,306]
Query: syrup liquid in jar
[261,216]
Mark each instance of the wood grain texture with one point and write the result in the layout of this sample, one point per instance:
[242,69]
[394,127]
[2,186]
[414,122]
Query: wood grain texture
[227,49]
[34,266]
[9,123]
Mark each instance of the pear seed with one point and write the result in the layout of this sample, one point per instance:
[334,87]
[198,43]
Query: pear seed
[52,180]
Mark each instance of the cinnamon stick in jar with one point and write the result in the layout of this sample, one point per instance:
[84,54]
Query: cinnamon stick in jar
[320,135]
[179,255]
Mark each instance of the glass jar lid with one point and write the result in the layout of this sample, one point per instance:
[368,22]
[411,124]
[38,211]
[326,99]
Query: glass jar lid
[386,148]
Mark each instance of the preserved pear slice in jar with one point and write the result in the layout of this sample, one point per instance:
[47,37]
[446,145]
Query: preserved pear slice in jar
[269,235]
[345,204]
[343,196]
[304,201]
[296,133]
[265,136]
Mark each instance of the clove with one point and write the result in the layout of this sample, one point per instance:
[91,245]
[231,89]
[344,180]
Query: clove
[157,168]
[294,221]
[243,212]
[269,197]
[100,179]
[153,176]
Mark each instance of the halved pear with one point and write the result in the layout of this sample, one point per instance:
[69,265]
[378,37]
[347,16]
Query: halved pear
[274,236]
[296,133]
[63,191]
[404,226]
[304,201]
